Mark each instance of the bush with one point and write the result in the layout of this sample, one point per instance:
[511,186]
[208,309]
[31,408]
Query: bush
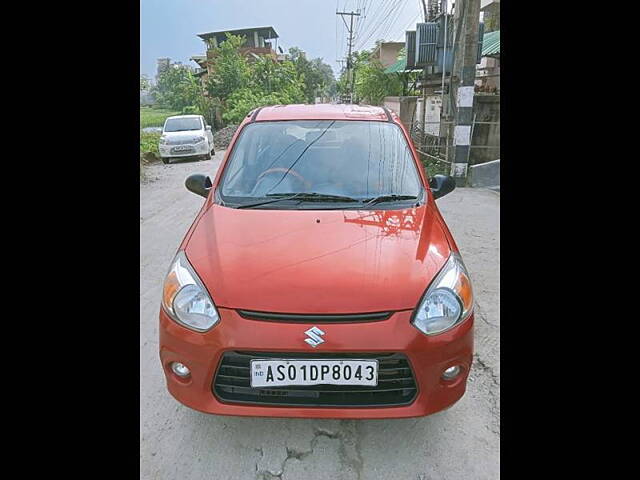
[190,110]
[149,143]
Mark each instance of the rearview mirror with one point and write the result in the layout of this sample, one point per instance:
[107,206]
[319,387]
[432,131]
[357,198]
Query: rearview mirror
[208,127]
[441,185]
[198,184]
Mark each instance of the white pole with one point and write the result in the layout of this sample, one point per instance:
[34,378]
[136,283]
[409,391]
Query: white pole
[444,56]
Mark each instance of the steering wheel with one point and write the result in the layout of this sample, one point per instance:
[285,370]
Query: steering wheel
[284,171]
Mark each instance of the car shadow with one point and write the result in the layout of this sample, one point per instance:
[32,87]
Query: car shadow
[177,161]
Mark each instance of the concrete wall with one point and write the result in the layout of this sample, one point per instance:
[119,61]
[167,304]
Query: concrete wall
[485,175]
[405,107]
[487,109]
[488,75]
[432,118]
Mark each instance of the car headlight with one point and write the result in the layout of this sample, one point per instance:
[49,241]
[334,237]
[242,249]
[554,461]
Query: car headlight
[199,139]
[163,141]
[185,299]
[448,301]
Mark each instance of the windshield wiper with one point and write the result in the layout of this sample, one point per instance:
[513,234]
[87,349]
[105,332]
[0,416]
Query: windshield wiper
[386,198]
[308,196]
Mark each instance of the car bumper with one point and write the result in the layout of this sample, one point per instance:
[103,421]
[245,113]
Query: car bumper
[428,357]
[198,149]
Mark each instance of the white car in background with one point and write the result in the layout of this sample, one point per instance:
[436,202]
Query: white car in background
[186,136]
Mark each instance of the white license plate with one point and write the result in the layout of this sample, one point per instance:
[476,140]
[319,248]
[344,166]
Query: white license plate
[278,373]
[184,148]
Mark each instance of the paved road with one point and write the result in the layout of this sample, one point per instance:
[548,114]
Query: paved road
[178,443]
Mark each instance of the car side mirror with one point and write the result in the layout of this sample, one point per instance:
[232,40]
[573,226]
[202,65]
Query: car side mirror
[441,185]
[198,184]
[208,127]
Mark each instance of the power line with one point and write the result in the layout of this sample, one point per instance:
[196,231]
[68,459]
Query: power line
[392,22]
[376,15]
[371,25]
[384,22]
[409,25]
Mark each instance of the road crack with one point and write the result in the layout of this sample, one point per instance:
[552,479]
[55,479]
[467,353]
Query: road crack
[483,316]
[492,389]
[348,451]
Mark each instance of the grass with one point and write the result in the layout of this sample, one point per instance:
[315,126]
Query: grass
[151,117]
[149,142]
[154,117]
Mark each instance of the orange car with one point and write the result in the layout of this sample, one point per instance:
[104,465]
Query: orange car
[319,278]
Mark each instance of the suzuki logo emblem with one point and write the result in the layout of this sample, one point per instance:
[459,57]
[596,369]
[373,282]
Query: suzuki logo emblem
[315,338]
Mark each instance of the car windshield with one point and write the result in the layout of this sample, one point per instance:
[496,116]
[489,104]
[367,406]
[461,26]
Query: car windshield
[182,124]
[345,160]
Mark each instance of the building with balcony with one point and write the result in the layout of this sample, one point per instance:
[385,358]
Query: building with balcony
[258,41]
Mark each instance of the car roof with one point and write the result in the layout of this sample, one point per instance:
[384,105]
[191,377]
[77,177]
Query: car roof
[321,111]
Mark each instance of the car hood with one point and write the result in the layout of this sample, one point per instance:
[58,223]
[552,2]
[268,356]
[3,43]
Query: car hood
[304,261]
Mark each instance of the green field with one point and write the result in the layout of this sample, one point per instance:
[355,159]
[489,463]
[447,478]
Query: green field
[154,117]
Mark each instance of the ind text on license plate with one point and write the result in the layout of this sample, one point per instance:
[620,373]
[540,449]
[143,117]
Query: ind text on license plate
[275,373]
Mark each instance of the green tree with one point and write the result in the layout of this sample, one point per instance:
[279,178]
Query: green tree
[372,84]
[177,88]
[272,83]
[317,76]
[270,76]
[145,84]
[230,70]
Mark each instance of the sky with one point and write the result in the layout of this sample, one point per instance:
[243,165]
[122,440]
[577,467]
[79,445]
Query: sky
[168,28]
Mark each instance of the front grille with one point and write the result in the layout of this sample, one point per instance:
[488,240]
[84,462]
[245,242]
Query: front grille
[315,318]
[396,383]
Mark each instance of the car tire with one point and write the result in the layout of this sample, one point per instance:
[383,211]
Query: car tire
[207,156]
[166,161]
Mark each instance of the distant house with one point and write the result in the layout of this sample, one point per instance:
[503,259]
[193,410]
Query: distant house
[201,70]
[387,52]
[257,41]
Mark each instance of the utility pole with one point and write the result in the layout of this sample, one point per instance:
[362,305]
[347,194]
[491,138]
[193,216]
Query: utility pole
[424,88]
[466,20]
[352,74]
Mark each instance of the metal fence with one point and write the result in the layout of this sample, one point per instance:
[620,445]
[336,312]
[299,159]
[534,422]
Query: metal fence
[437,150]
